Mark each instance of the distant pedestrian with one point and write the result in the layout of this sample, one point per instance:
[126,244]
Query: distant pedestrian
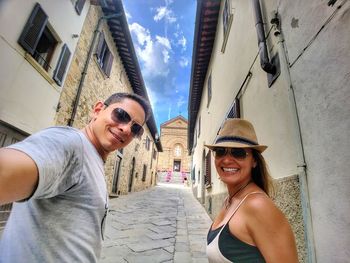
[56,179]
[249,227]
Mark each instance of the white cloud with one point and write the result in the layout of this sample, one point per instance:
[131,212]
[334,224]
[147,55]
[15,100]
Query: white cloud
[181,101]
[128,15]
[183,62]
[165,13]
[182,41]
[165,56]
[153,54]
[164,41]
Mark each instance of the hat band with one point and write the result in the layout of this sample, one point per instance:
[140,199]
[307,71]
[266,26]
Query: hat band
[235,139]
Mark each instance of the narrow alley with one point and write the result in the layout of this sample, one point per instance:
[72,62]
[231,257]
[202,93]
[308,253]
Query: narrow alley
[162,224]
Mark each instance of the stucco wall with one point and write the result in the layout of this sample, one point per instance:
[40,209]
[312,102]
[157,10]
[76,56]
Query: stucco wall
[268,108]
[320,77]
[28,99]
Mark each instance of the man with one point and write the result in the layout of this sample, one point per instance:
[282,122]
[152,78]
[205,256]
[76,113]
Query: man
[56,178]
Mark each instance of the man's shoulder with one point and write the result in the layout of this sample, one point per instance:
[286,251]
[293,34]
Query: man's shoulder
[62,133]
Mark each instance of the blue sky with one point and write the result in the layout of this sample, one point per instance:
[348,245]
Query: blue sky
[162,32]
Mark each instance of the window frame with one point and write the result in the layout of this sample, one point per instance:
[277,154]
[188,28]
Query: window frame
[144,173]
[104,56]
[209,89]
[227,17]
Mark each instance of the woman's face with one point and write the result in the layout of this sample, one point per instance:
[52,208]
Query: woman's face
[234,170]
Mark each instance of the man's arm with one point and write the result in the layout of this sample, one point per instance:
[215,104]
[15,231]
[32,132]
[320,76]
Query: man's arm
[18,176]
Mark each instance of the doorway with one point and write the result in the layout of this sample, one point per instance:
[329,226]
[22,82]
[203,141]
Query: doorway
[116,175]
[177,166]
[131,176]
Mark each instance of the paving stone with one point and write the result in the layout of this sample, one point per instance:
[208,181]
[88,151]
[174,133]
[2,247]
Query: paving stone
[154,256]
[161,235]
[170,249]
[182,257]
[161,224]
[142,246]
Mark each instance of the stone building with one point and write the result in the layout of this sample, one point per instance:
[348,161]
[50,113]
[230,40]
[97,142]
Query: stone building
[173,136]
[284,66]
[104,63]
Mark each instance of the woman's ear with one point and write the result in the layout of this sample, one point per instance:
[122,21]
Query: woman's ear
[254,163]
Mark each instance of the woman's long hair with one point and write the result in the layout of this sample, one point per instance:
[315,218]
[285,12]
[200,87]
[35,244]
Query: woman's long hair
[260,174]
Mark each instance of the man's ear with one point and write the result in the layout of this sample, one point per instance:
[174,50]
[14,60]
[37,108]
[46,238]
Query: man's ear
[97,108]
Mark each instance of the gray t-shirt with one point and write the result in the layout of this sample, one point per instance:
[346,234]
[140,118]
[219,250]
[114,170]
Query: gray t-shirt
[63,220]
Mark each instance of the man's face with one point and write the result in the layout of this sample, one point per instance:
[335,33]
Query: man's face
[108,133]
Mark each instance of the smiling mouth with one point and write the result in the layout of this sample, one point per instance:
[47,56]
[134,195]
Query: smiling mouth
[116,136]
[230,170]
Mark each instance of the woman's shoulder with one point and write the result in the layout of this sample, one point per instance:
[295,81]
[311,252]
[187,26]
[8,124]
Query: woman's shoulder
[259,205]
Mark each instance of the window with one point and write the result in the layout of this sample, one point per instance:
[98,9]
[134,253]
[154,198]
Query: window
[235,110]
[193,174]
[147,143]
[209,90]
[227,16]
[104,55]
[195,138]
[199,126]
[79,5]
[38,40]
[178,150]
[154,154]
[144,172]
[207,177]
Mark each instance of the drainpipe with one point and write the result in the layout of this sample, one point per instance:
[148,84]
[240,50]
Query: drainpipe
[259,25]
[86,66]
[301,165]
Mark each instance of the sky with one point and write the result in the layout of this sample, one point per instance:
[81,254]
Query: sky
[162,33]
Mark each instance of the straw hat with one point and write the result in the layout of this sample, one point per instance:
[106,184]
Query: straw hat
[237,133]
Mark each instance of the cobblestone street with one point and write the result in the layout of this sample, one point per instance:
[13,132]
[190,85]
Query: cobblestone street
[162,224]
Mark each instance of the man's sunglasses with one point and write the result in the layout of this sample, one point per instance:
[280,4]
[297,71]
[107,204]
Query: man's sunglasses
[237,153]
[121,116]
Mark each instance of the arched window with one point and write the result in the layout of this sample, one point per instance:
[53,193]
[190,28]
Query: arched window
[177,150]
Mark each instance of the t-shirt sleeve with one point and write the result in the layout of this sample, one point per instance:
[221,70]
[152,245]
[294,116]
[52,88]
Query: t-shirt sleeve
[57,153]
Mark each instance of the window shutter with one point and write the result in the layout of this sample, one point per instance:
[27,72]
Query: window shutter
[209,90]
[100,45]
[33,29]
[235,111]
[79,5]
[207,178]
[225,17]
[108,65]
[62,65]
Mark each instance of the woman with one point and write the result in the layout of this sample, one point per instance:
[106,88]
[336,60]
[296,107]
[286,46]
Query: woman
[249,227]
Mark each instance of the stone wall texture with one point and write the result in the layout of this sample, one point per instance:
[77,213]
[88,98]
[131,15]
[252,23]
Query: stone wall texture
[98,86]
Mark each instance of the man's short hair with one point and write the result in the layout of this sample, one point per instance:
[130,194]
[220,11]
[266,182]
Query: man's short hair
[120,96]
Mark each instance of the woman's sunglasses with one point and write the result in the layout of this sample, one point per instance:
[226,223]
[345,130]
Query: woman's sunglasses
[121,116]
[237,153]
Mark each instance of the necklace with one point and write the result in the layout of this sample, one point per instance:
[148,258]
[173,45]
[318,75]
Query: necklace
[228,199]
